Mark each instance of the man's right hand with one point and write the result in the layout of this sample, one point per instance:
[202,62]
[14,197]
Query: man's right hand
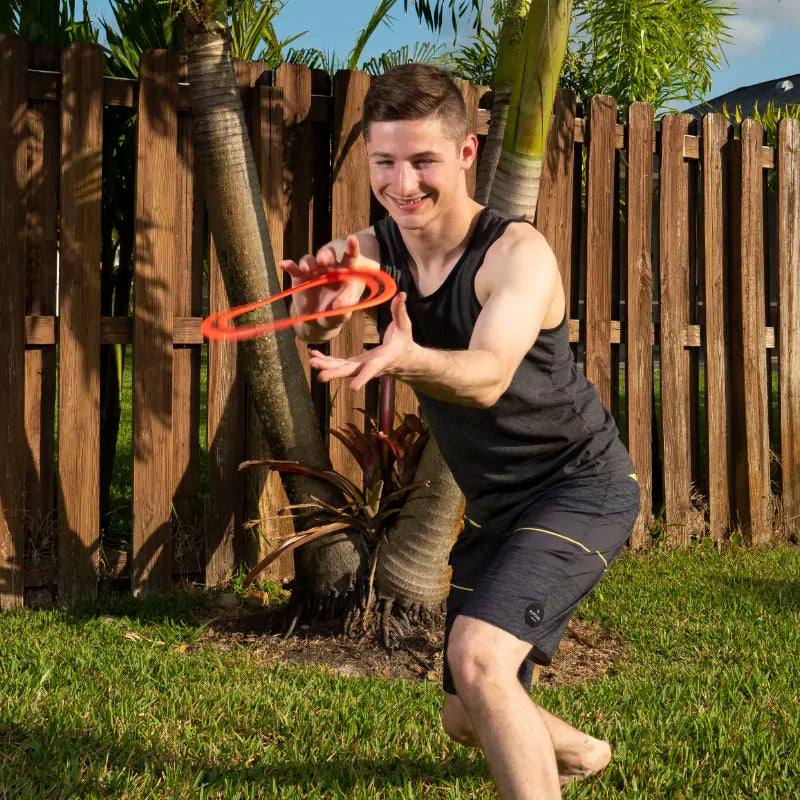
[330,296]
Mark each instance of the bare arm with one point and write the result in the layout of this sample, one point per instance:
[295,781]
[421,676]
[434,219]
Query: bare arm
[520,290]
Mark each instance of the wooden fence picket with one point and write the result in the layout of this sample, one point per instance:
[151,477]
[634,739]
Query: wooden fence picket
[675,395]
[16,456]
[556,191]
[716,325]
[599,249]
[748,323]
[41,244]
[154,286]
[639,301]
[79,320]
[187,303]
[264,494]
[788,166]
[350,212]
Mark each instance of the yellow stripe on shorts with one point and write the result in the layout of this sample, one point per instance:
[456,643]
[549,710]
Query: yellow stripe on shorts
[567,539]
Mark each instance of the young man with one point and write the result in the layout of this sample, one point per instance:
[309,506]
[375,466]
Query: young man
[479,330]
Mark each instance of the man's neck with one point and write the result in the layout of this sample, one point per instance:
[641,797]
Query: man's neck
[435,248]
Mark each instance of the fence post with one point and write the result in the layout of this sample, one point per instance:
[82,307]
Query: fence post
[716,327]
[639,338]
[788,164]
[79,320]
[13,105]
[154,283]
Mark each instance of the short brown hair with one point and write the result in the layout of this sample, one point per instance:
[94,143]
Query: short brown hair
[416,91]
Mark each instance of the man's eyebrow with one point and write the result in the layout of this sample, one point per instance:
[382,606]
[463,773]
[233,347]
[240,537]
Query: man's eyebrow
[423,154]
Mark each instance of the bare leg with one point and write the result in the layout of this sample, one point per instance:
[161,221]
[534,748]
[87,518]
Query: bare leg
[511,731]
[577,754]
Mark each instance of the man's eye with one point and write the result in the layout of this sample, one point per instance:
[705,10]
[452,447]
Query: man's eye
[425,162]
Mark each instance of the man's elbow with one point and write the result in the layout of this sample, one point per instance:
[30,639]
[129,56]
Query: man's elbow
[489,395]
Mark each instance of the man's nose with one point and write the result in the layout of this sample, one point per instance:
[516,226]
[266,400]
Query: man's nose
[406,179]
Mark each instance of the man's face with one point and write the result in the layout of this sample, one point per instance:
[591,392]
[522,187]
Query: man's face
[416,169]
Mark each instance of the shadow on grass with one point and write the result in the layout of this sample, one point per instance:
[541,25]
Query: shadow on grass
[47,761]
[780,594]
[174,606]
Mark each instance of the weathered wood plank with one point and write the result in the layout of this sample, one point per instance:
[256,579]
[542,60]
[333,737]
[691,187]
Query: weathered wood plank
[79,305]
[154,285]
[16,454]
[748,365]
[321,84]
[43,126]
[599,247]
[264,493]
[639,341]
[716,326]
[788,162]
[675,397]
[187,302]
[227,427]
[350,209]
[554,208]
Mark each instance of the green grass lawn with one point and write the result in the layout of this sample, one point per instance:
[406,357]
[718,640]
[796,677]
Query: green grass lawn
[705,705]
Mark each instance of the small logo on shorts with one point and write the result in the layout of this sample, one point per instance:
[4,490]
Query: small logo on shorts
[534,614]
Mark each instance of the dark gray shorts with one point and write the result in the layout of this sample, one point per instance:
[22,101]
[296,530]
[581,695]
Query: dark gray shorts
[526,571]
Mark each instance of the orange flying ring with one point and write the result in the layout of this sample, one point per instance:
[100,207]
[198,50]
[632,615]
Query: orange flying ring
[381,288]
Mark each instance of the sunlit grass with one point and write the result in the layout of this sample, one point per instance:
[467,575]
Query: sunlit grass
[126,699]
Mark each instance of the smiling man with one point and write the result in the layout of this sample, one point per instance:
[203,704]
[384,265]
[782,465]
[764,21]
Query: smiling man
[479,330]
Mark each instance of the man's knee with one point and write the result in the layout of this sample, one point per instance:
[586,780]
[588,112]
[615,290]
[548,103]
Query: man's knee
[456,723]
[480,654]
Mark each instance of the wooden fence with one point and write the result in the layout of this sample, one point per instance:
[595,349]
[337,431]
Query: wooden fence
[682,273]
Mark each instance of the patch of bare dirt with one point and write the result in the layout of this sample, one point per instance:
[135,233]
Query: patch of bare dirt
[586,652]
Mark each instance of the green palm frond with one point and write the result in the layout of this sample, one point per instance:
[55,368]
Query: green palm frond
[659,52]
[138,26]
[50,22]
[422,53]
[253,36]
[313,58]
[432,12]
[379,15]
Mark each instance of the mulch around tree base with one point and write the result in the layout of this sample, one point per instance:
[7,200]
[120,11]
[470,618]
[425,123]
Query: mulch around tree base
[586,652]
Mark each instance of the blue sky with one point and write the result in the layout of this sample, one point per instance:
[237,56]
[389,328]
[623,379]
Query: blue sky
[765,34]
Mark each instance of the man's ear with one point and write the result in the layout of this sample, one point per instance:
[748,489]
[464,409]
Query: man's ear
[469,150]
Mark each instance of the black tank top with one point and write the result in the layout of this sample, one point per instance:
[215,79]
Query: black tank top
[547,426]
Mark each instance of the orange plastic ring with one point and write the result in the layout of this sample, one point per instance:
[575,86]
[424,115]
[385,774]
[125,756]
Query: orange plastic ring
[381,288]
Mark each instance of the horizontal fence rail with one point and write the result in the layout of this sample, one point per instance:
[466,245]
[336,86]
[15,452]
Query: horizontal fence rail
[678,244]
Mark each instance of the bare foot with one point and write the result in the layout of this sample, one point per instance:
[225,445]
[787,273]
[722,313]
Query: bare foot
[593,756]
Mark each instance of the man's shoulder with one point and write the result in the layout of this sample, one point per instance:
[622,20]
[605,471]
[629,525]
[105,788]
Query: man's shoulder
[520,240]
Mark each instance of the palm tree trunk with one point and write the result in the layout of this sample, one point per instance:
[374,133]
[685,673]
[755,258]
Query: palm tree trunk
[272,365]
[508,59]
[412,567]
[515,188]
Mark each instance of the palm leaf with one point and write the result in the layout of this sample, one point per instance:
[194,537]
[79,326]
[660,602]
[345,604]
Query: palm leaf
[328,475]
[380,14]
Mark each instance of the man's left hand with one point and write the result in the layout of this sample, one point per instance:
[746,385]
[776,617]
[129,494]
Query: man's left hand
[389,358]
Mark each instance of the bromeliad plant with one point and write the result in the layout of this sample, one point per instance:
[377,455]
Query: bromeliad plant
[388,461]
